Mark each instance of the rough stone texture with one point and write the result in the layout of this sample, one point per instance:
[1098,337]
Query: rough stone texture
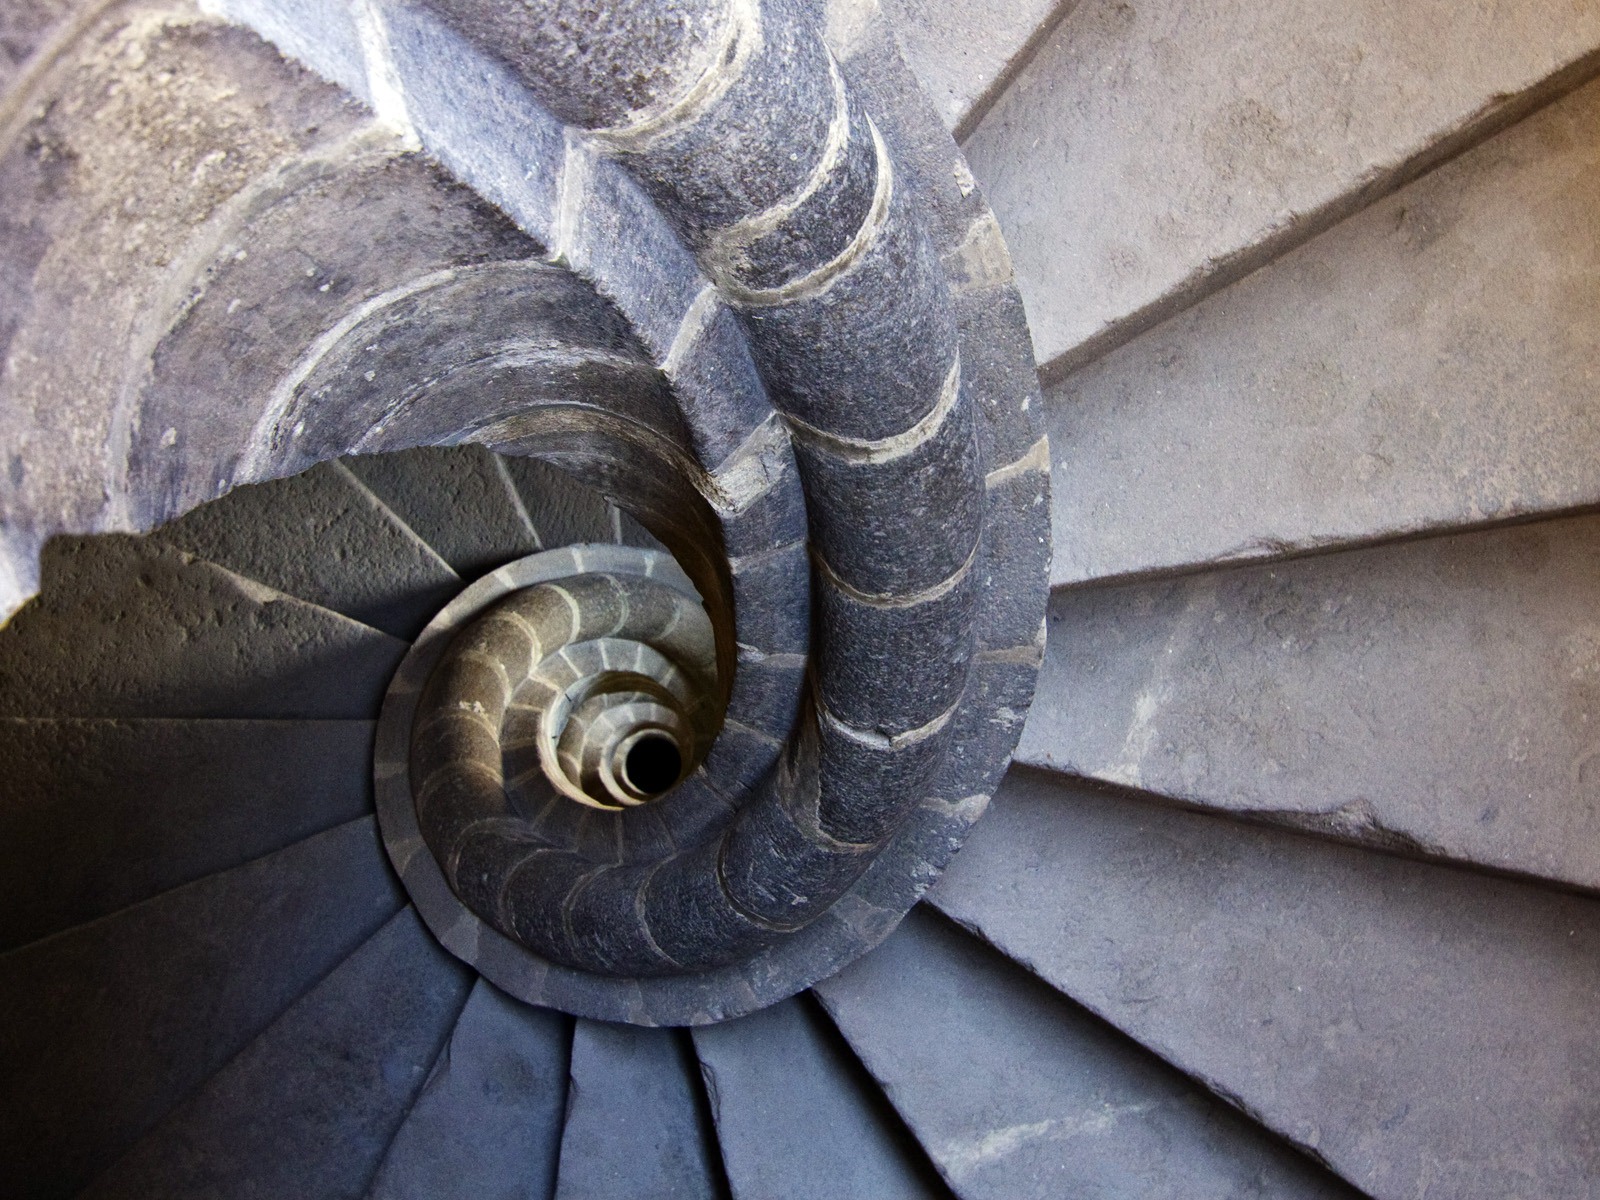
[966,52]
[97,815]
[1428,1031]
[130,629]
[308,1108]
[563,510]
[1429,363]
[637,1123]
[1018,1094]
[1440,695]
[459,500]
[322,537]
[487,1125]
[110,1025]
[1152,152]
[797,1117]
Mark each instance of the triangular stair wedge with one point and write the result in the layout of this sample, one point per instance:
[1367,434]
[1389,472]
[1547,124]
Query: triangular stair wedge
[1420,1027]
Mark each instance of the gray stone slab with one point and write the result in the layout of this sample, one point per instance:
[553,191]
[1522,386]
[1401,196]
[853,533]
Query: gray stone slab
[563,510]
[1428,1030]
[125,628]
[487,1125]
[308,1108]
[1151,152]
[637,1120]
[1428,363]
[782,1085]
[459,500]
[965,52]
[26,26]
[110,1025]
[1437,695]
[1019,1094]
[97,815]
[323,537]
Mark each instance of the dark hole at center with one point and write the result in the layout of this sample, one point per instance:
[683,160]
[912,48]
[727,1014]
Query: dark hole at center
[653,764]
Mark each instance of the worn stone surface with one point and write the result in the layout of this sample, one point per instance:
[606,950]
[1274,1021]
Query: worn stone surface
[487,1125]
[26,27]
[1440,695]
[637,1123]
[1427,364]
[97,815]
[131,629]
[1151,152]
[458,500]
[563,510]
[322,537]
[1018,1094]
[965,53]
[1428,1031]
[782,1087]
[110,1025]
[308,1107]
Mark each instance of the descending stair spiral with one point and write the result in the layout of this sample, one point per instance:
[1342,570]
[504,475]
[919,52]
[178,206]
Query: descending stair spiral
[756,301]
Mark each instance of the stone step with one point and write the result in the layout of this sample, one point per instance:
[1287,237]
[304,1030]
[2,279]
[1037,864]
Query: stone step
[637,1119]
[1438,696]
[129,628]
[782,1086]
[488,1121]
[110,1025]
[98,815]
[965,52]
[324,538]
[458,499]
[1151,153]
[1018,1094]
[1428,364]
[1426,1030]
[563,510]
[308,1108]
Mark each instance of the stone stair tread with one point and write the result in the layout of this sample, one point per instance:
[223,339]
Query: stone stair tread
[1424,1029]
[1150,153]
[963,52]
[637,1123]
[96,815]
[563,510]
[1426,364]
[1435,696]
[110,1025]
[488,1121]
[322,537]
[458,499]
[1017,1093]
[782,1085]
[308,1107]
[125,628]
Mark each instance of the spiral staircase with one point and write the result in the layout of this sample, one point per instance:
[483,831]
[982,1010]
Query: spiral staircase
[525,531]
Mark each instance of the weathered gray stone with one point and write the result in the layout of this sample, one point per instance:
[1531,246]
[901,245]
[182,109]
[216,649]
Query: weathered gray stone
[97,815]
[637,1123]
[966,52]
[487,1125]
[131,629]
[110,1025]
[563,510]
[798,1118]
[1435,695]
[1018,1094]
[308,1108]
[322,537]
[1152,152]
[1426,1030]
[27,27]
[459,500]
[1427,364]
